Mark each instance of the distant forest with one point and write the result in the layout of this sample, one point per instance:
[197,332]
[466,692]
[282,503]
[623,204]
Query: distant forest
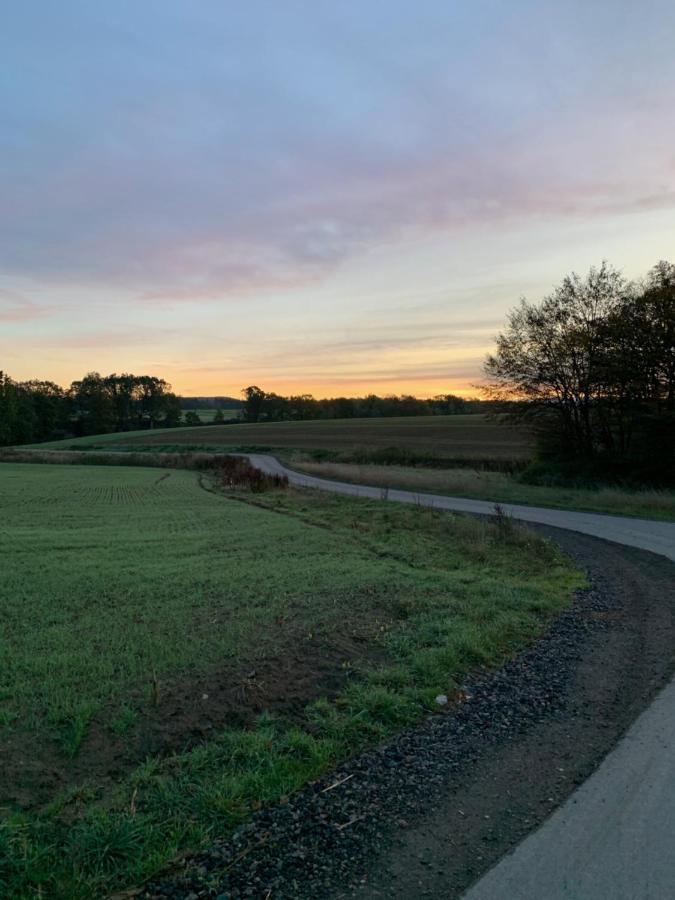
[261,406]
[36,411]
[198,403]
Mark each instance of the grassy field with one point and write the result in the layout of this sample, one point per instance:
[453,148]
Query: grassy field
[174,655]
[473,438]
[467,456]
[102,440]
[498,486]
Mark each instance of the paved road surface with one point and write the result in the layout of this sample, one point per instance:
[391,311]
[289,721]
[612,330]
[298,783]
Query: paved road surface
[659,537]
[614,838]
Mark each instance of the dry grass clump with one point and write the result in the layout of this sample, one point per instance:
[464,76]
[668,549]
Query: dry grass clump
[237,471]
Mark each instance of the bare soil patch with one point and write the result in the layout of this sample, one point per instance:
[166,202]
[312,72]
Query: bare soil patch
[187,711]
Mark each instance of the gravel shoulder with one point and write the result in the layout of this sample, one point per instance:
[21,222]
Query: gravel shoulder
[429,812]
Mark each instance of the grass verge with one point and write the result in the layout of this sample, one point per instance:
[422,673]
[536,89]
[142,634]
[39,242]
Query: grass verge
[499,487]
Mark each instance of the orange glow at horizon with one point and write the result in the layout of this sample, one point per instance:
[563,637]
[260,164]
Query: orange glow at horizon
[326,391]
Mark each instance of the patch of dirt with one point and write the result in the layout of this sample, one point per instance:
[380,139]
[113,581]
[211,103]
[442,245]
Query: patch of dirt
[188,711]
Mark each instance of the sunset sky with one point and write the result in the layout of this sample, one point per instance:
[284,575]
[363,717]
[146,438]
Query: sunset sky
[327,197]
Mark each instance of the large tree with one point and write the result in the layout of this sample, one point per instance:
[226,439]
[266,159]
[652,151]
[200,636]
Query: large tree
[9,409]
[254,400]
[40,410]
[591,365]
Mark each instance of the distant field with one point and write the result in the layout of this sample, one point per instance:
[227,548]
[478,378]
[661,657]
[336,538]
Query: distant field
[100,440]
[208,415]
[171,654]
[472,437]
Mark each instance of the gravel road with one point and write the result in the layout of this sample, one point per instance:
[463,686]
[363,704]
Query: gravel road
[613,839]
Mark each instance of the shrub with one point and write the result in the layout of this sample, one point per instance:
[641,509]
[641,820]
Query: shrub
[237,471]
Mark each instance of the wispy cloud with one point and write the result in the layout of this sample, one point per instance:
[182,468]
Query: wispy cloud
[303,239]
[16,308]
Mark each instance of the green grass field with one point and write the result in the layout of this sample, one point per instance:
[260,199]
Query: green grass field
[173,656]
[499,487]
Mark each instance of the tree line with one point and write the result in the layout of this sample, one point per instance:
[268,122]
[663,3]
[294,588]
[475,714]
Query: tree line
[209,403]
[592,369]
[261,406]
[33,411]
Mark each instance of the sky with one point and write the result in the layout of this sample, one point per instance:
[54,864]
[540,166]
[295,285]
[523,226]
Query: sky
[318,197]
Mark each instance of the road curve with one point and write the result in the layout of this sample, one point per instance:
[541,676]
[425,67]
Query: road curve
[659,537]
[613,838]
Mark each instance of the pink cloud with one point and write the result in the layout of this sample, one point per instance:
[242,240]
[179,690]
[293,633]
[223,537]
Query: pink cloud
[15,308]
[287,217]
